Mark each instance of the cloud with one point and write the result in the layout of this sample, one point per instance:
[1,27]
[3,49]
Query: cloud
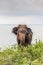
[21,6]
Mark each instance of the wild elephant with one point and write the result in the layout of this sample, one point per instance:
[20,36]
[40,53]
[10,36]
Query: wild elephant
[24,34]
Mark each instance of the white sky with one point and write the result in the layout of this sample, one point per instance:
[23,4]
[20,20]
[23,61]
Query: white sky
[23,6]
[8,22]
[16,12]
[31,19]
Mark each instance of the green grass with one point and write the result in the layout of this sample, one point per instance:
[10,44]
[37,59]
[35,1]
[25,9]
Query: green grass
[29,55]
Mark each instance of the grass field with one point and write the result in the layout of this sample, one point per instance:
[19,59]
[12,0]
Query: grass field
[29,55]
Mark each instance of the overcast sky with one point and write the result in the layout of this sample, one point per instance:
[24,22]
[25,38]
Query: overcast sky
[31,19]
[17,7]
[16,12]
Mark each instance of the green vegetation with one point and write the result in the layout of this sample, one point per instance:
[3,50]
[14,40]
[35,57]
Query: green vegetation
[18,55]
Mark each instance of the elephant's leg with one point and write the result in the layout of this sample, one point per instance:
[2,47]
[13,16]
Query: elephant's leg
[18,41]
[28,41]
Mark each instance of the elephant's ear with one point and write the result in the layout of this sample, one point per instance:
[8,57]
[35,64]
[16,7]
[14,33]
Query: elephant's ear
[15,30]
[29,31]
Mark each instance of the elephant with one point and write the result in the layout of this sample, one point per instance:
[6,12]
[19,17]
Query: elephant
[24,34]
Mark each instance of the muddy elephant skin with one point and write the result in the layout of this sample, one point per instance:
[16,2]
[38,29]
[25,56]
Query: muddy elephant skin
[24,35]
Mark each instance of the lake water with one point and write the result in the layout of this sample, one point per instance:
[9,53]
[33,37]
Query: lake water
[7,38]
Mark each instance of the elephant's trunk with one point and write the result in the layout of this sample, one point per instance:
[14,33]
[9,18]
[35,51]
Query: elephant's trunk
[21,37]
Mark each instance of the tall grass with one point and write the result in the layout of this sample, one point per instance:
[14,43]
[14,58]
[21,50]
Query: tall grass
[19,55]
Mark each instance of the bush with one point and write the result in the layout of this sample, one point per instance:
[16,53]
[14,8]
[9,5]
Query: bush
[19,55]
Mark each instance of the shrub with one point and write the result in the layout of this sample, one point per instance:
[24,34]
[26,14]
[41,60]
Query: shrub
[19,55]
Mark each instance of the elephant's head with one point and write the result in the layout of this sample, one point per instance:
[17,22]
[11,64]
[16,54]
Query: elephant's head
[22,31]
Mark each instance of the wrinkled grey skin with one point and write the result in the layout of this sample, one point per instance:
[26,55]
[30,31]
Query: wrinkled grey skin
[24,34]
